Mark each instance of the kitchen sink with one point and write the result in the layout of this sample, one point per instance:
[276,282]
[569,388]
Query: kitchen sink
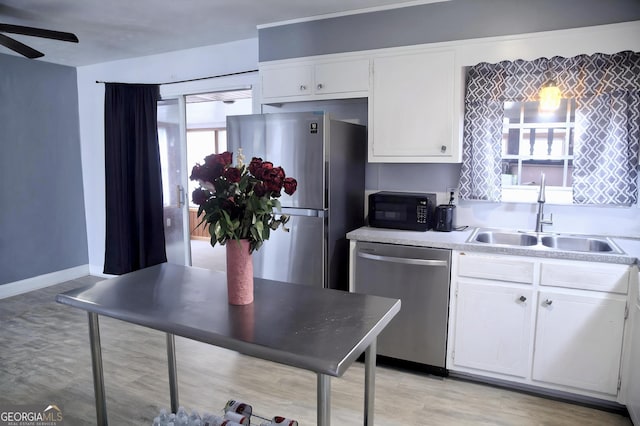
[506,238]
[577,243]
[543,241]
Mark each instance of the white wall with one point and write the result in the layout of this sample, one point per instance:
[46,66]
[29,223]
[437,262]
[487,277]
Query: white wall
[174,66]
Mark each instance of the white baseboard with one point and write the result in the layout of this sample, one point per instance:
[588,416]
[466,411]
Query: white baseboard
[42,281]
[96,271]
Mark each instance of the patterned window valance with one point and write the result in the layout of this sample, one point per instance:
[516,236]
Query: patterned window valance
[607,138]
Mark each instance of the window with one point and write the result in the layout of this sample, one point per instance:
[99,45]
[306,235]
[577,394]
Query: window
[535,143]
[588,149]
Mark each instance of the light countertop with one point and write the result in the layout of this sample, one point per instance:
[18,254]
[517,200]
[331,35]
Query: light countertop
[456,240]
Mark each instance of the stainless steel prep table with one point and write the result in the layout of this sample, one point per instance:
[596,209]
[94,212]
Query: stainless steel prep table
[315,329]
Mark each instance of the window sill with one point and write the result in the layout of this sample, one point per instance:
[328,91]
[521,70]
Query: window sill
[529,194]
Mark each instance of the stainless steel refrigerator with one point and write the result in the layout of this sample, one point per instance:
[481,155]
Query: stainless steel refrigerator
[327,157]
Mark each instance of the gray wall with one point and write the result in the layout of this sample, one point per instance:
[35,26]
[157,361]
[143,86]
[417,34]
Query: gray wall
[438,22]
[42,218]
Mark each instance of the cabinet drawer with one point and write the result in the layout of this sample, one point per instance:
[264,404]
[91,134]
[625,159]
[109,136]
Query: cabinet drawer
[586,276]
[496,268]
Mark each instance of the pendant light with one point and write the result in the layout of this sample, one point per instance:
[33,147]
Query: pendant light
[550,96]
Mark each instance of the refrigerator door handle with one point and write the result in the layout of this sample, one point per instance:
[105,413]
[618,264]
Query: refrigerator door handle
[301,212]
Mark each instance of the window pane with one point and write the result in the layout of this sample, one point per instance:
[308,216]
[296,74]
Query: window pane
[222,140]
[557,138]
[512,112]
[553,170]
[532,115]
[509,172]
[510,141]
[527,142]
[534,143]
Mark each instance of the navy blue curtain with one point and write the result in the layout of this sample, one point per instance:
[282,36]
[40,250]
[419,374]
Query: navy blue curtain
[134,208]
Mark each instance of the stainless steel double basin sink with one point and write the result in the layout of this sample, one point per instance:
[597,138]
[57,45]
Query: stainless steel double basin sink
[544,241]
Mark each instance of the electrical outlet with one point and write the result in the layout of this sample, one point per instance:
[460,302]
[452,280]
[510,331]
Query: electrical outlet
[452,193]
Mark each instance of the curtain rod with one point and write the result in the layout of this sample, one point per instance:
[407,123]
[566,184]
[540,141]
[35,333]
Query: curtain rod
[194,79]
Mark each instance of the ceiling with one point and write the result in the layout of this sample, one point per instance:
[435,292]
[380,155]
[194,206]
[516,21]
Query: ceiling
[118,29]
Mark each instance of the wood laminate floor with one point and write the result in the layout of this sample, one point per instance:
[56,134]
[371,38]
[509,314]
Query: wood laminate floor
[45,359]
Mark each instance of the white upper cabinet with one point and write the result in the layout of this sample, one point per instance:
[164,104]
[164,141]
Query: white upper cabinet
[288,81]
[412,108]
[415,102]
[342,77]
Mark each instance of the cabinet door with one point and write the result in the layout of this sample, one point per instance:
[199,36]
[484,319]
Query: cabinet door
[412,106]
[341,77]
[493,327]
[579,341]
[295,80]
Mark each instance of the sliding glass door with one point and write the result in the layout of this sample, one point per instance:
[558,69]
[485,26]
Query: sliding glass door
[171,138]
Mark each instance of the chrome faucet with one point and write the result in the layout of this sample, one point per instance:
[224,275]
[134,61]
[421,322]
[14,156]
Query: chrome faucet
[540,220]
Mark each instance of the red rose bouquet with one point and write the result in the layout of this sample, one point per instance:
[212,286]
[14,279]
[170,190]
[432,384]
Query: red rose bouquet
[238,202]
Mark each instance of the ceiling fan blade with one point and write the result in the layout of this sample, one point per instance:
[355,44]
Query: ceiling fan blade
[38,32]
[20,48]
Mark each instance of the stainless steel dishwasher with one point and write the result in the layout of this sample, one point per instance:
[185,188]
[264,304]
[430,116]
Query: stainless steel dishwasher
[420,278]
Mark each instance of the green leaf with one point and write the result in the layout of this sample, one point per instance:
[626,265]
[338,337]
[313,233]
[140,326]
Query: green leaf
[259,227]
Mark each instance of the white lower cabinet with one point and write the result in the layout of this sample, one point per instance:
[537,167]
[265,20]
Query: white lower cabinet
[579,340]
[538,328]
[497,323]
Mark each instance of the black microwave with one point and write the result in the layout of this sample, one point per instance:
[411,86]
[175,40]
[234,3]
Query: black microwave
[412,211]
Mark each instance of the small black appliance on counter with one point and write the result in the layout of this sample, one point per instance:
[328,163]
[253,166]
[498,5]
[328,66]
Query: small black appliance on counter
[444,217]
[411,211]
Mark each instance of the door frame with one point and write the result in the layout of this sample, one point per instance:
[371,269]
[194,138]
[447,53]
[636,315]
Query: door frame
[180,91]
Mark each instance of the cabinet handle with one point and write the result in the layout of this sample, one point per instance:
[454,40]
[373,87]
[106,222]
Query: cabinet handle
[547,302]
[522,299]
[319,86]
[443,148]
[303,87]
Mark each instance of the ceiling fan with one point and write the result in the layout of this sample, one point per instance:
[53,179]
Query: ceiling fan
[25,50]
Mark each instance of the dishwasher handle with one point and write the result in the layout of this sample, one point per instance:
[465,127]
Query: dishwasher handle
[403,260]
